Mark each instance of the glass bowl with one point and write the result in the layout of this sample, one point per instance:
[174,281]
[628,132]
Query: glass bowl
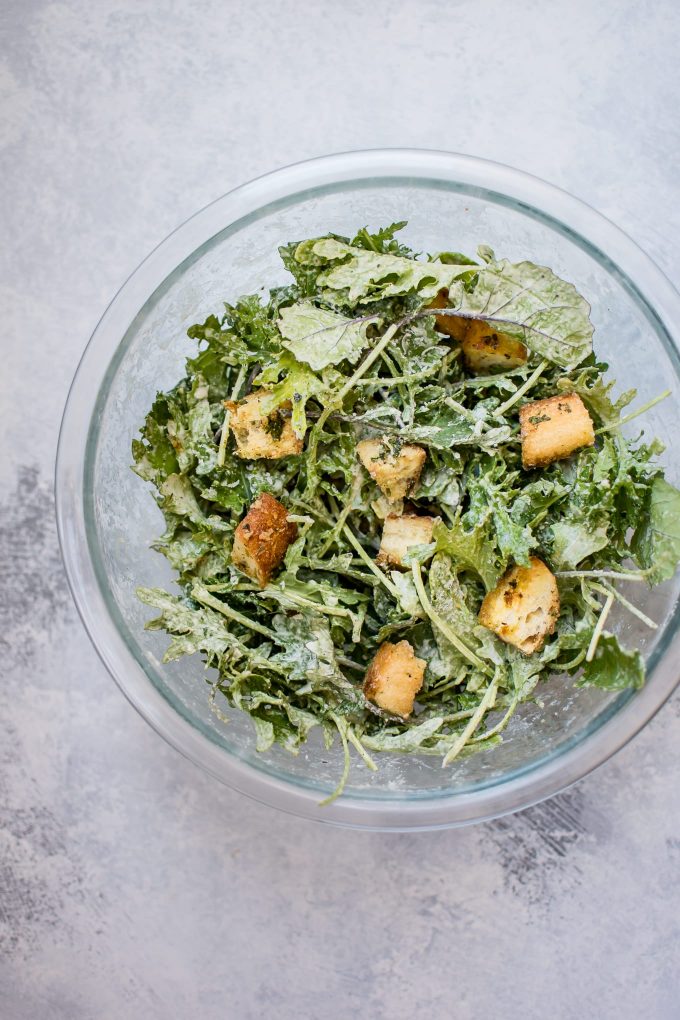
[107,516]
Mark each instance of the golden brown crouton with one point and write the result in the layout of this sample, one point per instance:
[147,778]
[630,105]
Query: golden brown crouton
[261,539]
[523,608]
[394,678]
[486,350]
[553,428]
[396,474]
[261,435]
[454,325]
[400,534]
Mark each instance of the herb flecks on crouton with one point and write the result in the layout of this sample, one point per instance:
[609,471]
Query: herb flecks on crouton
[269,436]
[261,539]
[394,678]
[400,534]
[554,428]
[395,467]
[486,350]
[523,608]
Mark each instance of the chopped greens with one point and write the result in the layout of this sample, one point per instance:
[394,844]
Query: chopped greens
[374,403]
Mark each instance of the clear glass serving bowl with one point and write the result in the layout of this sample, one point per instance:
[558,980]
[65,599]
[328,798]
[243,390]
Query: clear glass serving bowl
[107,516]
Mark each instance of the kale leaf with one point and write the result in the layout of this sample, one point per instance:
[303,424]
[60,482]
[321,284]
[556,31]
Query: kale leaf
[656,542]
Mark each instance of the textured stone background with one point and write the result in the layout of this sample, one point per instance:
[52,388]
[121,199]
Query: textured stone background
[131,885]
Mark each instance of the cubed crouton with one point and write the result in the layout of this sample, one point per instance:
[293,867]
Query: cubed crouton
[553,428]
[453,325]
[523,608]
[394,678]
[400,534]
[486,350]
[261,539]
[395,469]
[261,435]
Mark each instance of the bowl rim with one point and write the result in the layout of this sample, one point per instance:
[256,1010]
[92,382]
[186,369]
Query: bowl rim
[542,780]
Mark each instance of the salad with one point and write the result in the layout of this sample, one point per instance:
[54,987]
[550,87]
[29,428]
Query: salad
[398,497]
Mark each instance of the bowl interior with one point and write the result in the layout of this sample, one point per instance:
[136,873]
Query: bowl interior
[122,518]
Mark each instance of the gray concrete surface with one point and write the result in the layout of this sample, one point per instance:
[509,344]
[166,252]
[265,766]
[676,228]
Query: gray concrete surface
[131,885]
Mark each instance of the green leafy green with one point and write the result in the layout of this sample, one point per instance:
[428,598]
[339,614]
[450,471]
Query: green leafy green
[490,489]
[574,542]
[244,336]
[154,453]
[321,337]
[195,629]
[407,741]
[656,542]
[450,599]
[359,274]
[308,653]
[469,550]
[612,668]
[533,305]
[382,240]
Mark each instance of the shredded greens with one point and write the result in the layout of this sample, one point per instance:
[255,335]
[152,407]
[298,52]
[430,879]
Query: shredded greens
[351,351]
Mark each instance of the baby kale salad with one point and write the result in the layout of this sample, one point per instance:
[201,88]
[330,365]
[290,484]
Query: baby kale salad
[397,497]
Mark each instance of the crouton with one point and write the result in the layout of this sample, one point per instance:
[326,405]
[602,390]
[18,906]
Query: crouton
[394,678]
[261,539]
[400,534]
[453,325]
[486,350]
[396,473]
[259,435]
[523,608]
[553,428]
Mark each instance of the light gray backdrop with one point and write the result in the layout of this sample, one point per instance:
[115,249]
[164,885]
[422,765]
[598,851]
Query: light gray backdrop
[131,885]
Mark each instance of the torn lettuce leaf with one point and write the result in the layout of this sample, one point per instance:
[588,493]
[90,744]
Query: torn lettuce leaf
[409,741]
[573,542]
[320,337]
[361,275]
[531,304]
[656,542]
[490,489]
[613,668]
[154,454]
[407,594]
[178,497]
[450,600]
[308,653]
[194,629]
[297,385]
